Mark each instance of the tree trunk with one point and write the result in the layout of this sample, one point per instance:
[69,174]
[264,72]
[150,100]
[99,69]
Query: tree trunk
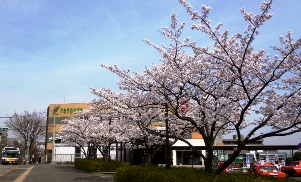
[106,151]
[209,161]
[148,159]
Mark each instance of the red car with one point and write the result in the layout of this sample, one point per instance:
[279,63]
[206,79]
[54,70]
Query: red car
[220,164]
[292,169]
[266,169]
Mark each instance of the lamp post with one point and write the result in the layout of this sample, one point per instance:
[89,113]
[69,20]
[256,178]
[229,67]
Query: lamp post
[167,151]
[28,130]
[55,109]
[53,140]
[28,144]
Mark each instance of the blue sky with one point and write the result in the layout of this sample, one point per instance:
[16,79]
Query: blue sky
[50,51]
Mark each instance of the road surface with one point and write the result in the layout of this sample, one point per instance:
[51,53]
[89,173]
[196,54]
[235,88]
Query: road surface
[48,173]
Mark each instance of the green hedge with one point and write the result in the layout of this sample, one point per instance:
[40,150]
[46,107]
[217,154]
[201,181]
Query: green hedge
[127,173]
[98,165]
[176,174]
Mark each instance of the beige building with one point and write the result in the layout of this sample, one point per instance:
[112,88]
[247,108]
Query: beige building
[54,122]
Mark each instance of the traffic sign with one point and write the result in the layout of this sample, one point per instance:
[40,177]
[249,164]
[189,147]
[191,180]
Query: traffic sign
[3,129]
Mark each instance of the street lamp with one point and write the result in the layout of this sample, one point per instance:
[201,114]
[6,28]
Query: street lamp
[28,130]
[167,151]
[28,143]
[54,113]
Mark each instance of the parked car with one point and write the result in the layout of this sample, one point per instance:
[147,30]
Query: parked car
[292,169]
[226,169]
[266,169]
[236,166]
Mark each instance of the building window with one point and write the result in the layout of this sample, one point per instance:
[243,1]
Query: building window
[188,158]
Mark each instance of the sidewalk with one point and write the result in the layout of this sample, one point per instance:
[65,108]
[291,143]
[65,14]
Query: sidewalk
[62,172]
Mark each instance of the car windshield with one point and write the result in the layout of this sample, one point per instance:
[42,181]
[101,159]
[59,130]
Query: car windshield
[293,164]
[268,168]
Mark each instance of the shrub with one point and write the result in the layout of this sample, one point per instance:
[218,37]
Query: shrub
[297,156]
[97,165]
[177,174]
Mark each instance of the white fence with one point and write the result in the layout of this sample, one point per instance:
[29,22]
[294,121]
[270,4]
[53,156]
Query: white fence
[70,158]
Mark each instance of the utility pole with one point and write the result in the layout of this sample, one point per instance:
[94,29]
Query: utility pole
[167,151]
[27,146]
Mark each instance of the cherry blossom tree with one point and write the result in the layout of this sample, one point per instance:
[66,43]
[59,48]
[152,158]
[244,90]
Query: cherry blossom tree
[100,127]
[227,86]
[88,130]
[73,133]
[133,126]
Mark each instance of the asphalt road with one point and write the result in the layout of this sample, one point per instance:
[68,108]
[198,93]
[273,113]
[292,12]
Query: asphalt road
[49,173]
